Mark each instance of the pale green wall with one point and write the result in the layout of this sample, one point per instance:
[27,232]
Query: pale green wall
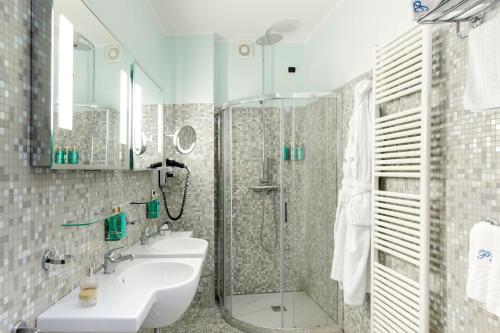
[189,69]
[237,77]
[107,78]
[342,47]
[133,23]
[199,69]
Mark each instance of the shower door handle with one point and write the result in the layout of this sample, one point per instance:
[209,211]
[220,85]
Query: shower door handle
[286,212]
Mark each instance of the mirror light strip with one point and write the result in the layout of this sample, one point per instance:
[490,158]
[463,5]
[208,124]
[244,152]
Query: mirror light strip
[123,106]
[65,75]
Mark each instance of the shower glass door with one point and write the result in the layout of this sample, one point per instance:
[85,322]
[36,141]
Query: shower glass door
[278,191]
[309,199]
[256,221]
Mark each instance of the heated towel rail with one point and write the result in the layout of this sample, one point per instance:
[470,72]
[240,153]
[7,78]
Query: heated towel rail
[400,225]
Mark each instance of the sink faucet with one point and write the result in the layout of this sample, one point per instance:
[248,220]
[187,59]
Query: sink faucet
[112,258]
[145,235]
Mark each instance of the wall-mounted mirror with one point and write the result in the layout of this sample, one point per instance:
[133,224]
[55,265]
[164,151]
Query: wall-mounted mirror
[89,76]
[184,139]
[147,120]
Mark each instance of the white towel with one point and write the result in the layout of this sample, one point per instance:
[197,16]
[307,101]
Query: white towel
[482,90]
[483,255]
[422,7]
[493,297]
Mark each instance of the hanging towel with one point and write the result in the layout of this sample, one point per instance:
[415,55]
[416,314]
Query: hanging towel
[482,90]
[482,243]
[493,294]
[352,229]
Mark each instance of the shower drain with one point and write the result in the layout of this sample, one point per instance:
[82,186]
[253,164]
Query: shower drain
[277,308]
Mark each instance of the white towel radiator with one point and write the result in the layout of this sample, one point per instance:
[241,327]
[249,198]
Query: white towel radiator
[400,229]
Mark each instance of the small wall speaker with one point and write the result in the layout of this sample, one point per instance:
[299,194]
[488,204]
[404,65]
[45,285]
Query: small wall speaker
[245,50]
[113,53]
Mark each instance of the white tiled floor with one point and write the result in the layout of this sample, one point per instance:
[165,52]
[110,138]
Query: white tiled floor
[301,312]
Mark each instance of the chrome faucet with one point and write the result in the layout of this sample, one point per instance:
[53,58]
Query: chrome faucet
[145,235]
[112,258]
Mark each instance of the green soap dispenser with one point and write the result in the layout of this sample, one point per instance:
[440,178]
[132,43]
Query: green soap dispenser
[299,152]
[73,156]
[286,152]
[59,157]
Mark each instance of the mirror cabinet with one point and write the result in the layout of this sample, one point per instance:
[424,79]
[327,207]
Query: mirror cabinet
[93,106]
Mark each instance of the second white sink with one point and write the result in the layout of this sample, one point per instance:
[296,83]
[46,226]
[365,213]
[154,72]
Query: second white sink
[159,247]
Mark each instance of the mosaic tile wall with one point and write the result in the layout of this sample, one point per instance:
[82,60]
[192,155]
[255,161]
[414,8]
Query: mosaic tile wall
[34,202]
[315,191]
[256,214]
[199,211]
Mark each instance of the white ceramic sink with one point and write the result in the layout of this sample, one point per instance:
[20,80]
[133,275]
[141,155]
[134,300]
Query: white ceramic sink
[159,247]
[174,285]
[147,293]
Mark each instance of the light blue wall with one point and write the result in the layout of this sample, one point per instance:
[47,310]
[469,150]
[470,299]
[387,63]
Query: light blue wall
[189,69]
[107,78]
[342,47]
[198,69]
[237,77]
[133,23]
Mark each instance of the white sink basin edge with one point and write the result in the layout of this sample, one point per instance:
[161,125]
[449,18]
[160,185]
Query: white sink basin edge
[143,292]
[160,247]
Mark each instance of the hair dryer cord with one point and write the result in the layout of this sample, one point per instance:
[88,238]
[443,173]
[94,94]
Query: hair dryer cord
[184,197]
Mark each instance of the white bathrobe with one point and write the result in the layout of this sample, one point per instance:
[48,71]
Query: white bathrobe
[351,255]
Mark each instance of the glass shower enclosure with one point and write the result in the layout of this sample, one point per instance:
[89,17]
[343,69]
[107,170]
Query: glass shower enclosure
[277,195]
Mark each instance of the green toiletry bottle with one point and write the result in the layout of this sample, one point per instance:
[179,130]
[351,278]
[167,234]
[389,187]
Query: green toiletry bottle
[300,153]
[293,153]
[286,152]
[70,156]
[59,156]
[73,156]
[64,153]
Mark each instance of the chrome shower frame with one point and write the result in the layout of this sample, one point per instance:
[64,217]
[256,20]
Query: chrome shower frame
[226,114]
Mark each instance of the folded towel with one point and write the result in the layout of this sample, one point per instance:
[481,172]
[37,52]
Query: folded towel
[484,253]
[493,297]
[421,7]
[482,90]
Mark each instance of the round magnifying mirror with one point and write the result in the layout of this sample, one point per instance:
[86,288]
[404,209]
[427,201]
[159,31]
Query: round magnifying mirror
[140,146]
[185,139]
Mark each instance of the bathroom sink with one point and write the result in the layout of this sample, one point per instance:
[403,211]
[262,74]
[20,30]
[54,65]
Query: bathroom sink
[173,285]
[146,293]
[171,248]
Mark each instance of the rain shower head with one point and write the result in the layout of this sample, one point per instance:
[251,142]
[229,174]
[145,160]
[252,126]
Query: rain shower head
[269,38]
[274,34]
[81,43]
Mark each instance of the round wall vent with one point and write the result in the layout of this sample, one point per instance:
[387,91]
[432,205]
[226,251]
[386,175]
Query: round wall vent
[245,50]
[113,53]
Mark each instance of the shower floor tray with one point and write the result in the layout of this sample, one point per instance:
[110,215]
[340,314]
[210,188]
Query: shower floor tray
[258,310]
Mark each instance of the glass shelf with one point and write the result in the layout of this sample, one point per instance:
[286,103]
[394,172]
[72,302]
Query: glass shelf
[91,221]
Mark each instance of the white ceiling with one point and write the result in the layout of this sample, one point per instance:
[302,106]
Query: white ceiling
[84,21]
[239,19]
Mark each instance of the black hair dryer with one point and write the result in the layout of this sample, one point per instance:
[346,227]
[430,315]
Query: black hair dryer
[162,182]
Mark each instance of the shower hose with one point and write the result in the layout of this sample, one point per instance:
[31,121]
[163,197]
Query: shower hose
[272,249]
